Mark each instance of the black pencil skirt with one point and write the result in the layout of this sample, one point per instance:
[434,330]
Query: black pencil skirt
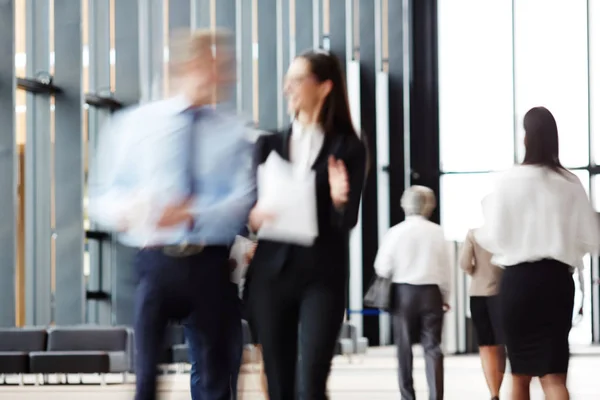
[537,310]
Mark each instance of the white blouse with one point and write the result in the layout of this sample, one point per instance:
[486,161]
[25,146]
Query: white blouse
[535,213]
[305,145]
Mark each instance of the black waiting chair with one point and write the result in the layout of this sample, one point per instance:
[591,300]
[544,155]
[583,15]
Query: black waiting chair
[15,346]
[84,350]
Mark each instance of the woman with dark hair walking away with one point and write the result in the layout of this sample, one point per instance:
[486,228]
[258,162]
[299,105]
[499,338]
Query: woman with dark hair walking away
[538,225]
[296,290]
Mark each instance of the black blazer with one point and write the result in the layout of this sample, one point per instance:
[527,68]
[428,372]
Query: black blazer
[329,250]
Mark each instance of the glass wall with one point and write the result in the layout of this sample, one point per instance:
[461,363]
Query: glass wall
[496,61]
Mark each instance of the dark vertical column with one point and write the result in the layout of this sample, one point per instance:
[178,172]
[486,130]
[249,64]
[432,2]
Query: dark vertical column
[397,109]
[368,120]
[304,35]
[68,163]
[267,64]
[127,90]
[8,164]
[38,176]
[99,82]
[424,109]
[337,30]
[245,56]
[180,14]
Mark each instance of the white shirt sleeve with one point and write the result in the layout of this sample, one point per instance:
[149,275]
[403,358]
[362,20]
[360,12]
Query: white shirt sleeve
[588,224]
[116,202]
[384,262]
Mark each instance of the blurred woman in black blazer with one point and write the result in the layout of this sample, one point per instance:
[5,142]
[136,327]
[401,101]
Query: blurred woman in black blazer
[301,290]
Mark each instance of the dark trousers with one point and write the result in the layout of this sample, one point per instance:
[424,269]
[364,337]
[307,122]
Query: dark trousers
[235,344]
[419,308]
[297,301]
[194,289]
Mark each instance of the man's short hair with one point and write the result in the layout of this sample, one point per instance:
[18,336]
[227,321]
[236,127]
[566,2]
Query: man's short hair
[186,45]
[418,200]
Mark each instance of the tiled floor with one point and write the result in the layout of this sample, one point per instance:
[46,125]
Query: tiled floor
[373,378]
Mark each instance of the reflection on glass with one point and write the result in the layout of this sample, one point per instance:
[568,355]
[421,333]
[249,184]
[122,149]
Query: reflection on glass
[475,85]
[551,70]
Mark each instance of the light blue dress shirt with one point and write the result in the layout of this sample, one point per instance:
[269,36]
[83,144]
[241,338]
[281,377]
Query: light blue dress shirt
[140,167]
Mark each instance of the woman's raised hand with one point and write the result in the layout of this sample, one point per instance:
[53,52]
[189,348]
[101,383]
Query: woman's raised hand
[338,182]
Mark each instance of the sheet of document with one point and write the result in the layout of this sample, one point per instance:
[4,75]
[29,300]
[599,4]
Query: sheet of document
[241,247]
[292,198]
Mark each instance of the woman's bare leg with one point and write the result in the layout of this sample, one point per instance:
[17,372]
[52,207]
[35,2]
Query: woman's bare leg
[555,386]
[520,387]
[493,361]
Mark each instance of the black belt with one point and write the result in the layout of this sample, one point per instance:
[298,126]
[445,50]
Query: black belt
[179,250]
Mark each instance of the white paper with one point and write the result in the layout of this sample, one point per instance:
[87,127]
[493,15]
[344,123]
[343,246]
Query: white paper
[291,196]
[239,250]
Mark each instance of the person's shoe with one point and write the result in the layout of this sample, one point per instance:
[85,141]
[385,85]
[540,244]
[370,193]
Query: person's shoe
[495,398]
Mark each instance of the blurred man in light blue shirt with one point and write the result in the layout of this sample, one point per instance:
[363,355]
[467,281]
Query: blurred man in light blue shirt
[174,177]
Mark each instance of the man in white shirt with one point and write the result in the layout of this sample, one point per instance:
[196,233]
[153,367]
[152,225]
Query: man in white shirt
[414,255]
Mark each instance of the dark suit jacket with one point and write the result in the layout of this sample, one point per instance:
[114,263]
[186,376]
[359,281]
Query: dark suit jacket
[329,250]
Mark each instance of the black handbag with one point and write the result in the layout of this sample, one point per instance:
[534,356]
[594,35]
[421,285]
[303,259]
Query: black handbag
[379,294]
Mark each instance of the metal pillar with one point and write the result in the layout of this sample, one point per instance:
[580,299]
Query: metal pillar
[267,64]
[38,176]
[337,30]
[304,34]
[283,57]
[355,289]
[8,165]
[151,49]
[368,71]
[68,162]
[127,90]
[226,17]
[245,56]
[201,10]
[99,82]
[397,109]
[180,14]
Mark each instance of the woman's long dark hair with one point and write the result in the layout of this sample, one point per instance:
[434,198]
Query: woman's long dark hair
[335,115]
[541,139]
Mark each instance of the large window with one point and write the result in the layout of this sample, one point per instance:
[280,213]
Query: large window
[497,60]
[461,196]
[475,85]
[551,70]
[594,71]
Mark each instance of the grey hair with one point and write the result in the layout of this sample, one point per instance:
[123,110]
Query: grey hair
[418,200]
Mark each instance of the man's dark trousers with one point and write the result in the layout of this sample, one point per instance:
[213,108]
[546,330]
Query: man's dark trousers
[192,288]
[235,344]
